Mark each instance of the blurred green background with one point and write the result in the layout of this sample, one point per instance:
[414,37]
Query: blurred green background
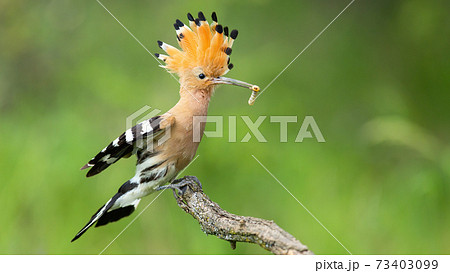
[377,83]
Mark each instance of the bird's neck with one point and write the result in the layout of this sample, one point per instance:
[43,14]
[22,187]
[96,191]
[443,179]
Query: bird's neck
[193,102]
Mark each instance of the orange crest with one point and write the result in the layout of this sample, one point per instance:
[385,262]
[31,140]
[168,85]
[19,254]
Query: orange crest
[202,45]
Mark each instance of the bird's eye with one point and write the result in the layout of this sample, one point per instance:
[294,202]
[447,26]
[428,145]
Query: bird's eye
[201,76]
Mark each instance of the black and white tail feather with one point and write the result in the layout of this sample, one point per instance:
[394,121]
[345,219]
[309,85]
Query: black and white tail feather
[111,212]
[150,171]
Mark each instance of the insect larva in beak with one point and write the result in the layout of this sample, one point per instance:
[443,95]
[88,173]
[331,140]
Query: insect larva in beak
[255,90]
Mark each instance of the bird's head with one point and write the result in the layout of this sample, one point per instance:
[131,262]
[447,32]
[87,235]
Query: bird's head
[204,56]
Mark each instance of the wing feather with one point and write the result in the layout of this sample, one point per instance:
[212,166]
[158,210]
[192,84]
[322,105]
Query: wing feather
[131,141]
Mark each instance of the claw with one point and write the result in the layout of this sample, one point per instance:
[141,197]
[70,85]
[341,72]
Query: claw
[195,180]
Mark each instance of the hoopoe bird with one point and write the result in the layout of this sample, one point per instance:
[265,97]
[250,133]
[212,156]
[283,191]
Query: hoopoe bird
[200,65]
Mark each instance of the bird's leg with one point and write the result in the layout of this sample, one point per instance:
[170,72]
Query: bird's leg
[180,184]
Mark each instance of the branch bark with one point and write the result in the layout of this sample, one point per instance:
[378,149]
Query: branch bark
[234,228]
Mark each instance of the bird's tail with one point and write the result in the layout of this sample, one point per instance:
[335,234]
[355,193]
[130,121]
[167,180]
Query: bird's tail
[117,207]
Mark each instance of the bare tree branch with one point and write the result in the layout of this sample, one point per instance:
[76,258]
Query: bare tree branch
[233,228]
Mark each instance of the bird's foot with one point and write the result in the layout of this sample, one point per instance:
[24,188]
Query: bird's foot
[180,185]
[193,179]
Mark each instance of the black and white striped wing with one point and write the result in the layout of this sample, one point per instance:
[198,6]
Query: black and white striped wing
[127,143]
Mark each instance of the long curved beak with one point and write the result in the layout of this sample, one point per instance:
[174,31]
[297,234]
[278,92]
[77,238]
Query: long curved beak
[224,80]
[255,89]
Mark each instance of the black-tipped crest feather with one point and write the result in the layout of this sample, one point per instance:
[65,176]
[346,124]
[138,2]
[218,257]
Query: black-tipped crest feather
[234,33]
[179,23]
[201,16]
[219,29]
